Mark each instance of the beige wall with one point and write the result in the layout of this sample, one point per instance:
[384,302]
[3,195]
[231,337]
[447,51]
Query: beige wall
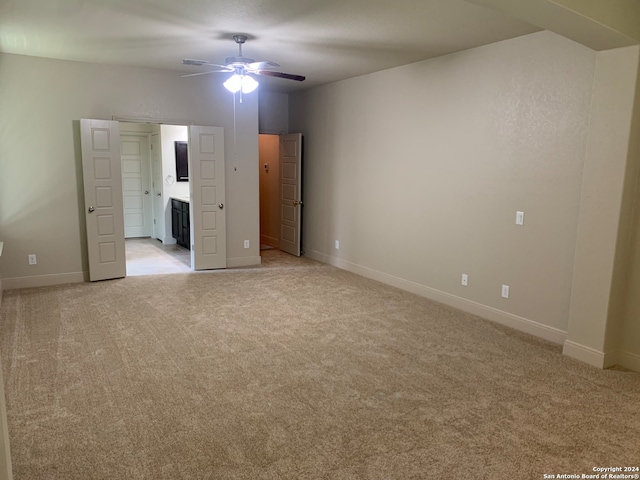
[269,148]
[629,337]
[274,113]
[418,171]
[41,200]
[601,258]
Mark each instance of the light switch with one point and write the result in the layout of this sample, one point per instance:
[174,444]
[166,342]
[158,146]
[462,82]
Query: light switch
[519,218]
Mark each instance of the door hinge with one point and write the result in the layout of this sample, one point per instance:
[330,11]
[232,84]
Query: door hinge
[154,221]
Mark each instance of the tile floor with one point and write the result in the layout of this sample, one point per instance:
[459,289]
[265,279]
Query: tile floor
[148,256]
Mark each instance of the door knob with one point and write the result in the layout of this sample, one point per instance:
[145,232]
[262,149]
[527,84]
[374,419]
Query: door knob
[146,192]
[91,209]
[296,203]
[221,206]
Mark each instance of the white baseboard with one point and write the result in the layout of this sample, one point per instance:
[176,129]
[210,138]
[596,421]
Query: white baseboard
[522,324]
[44,280]
[624,359]
[244,261]
[169,241]
[315,255]
[584,354]
[271,241]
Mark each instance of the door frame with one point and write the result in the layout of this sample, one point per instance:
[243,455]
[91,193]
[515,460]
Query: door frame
[157,227]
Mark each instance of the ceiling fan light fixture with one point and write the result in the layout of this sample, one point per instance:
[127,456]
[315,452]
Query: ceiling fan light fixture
[233,83]
[237,82]
[249,84]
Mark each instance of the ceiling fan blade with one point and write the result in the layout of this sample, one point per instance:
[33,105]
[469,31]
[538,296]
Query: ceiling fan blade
[199,63]
[288,76]
[261,65]
[205,73]
[193,61]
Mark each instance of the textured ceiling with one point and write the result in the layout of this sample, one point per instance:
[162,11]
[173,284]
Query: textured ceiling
[326,40]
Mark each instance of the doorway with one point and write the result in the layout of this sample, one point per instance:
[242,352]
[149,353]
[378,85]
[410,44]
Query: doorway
[269,174]
[280,173]
[103,195]
[149,182]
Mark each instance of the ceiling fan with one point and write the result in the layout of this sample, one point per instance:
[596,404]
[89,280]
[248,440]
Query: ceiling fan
[242,68]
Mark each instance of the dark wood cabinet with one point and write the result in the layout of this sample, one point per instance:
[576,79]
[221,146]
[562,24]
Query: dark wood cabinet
[180,228]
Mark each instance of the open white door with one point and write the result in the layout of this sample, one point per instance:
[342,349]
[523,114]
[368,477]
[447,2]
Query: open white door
[290,192]
[102,176]
[206,182]
[135,185]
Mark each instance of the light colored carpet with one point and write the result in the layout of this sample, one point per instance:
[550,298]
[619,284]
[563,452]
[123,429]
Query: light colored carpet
[294,370]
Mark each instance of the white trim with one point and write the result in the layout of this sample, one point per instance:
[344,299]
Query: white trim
[522,324]
[315,255]
[624,359]
[151,120]
[44,280]
[584,354]
[244,261]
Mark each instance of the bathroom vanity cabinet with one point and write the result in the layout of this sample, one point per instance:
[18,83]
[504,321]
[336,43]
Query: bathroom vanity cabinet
[180,228]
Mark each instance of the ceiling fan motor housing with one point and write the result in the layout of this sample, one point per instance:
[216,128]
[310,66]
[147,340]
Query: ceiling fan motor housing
[239,60]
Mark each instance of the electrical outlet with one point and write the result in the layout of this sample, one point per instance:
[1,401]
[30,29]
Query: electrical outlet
[465,279]
[246,244]
[337,244]
[32,259]
[505,291]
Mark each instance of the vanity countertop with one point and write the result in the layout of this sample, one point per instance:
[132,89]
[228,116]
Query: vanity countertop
[182,199]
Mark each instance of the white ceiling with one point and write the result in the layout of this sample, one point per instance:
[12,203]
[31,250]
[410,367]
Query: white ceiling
[326,40]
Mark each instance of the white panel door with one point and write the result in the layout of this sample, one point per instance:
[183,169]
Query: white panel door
[207,209]
[290,192]
[135,185]
[102,178]
[156,188]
